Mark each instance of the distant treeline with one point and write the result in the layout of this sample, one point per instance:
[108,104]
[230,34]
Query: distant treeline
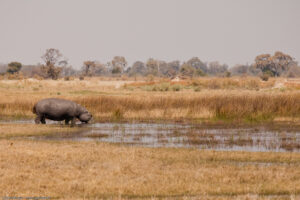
[56,66]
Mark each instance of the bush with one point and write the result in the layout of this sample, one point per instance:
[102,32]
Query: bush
[81,78]
[14,67]
[150,78]
[15,76]
[176,87]
[265,77]
[227,74]
[197,89]
[117,114]
[252,84]
[37,77]
[195,83]
[214,84]
[164,87]
[116,70]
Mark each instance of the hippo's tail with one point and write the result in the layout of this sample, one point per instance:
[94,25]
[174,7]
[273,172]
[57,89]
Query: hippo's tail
[34,109]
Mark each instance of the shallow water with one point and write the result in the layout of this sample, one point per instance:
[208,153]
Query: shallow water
[252,138]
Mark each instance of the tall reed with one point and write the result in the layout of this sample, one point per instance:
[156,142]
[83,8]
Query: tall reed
[223,106]
[213,100]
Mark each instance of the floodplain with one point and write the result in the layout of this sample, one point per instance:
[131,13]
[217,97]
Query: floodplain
[219,138]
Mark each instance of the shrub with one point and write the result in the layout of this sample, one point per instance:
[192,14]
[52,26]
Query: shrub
[265,77]
[117,114]
[164,87]
[227,74]
[14,67]
[214,84]
[15,76]
[37,77]
[195,83]
[150,78]
[197,89]
[176,87]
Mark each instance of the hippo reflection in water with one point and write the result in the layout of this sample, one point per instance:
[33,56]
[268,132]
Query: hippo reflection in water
[59,110]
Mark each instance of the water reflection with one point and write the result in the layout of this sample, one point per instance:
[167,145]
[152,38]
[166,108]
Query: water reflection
[196,136]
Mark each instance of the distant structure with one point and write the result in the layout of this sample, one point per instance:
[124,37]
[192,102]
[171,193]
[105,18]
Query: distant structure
[175,79]
[178,78]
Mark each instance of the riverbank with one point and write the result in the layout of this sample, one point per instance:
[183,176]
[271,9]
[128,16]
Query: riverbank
[25,130]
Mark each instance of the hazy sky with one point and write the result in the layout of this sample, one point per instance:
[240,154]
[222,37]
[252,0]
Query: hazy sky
[229,31]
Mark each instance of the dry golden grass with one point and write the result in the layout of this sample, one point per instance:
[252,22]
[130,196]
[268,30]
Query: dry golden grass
[90,170]
[234,99]
[231,105]
[250,83]
[15,130]
[72,170]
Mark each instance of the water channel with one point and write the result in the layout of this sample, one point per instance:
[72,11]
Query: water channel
[247,138]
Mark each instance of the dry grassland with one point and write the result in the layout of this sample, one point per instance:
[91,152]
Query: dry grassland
[225,99]
[17,130]
[71,170]
[91,170]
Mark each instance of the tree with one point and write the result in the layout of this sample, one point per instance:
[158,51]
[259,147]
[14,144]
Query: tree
[88,65]
[116,70]
[264,63]
[99,69]
[187,70]
[152,66]
[50,71]
[282,62]
[162,67]
[253,70]
[294,71]
[193,67]
[68,71]
[215,68]
[33,70]
[275,65]
[119,64]
[196,63]
[53,60]
[14,67]
[239,69]
[138,68]
[53,57]
[3,68]
[173,68]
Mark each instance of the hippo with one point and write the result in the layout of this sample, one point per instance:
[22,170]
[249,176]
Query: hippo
[59,110]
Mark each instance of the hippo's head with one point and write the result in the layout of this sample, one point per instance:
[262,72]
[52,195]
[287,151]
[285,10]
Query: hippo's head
[85,117]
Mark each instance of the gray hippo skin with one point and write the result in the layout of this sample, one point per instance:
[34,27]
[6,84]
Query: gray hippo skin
[59,110]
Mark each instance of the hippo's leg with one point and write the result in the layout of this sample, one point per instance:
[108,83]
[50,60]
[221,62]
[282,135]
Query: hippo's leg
[43,120]
[40,119]
[37,120]
[67,121]
[73,120]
